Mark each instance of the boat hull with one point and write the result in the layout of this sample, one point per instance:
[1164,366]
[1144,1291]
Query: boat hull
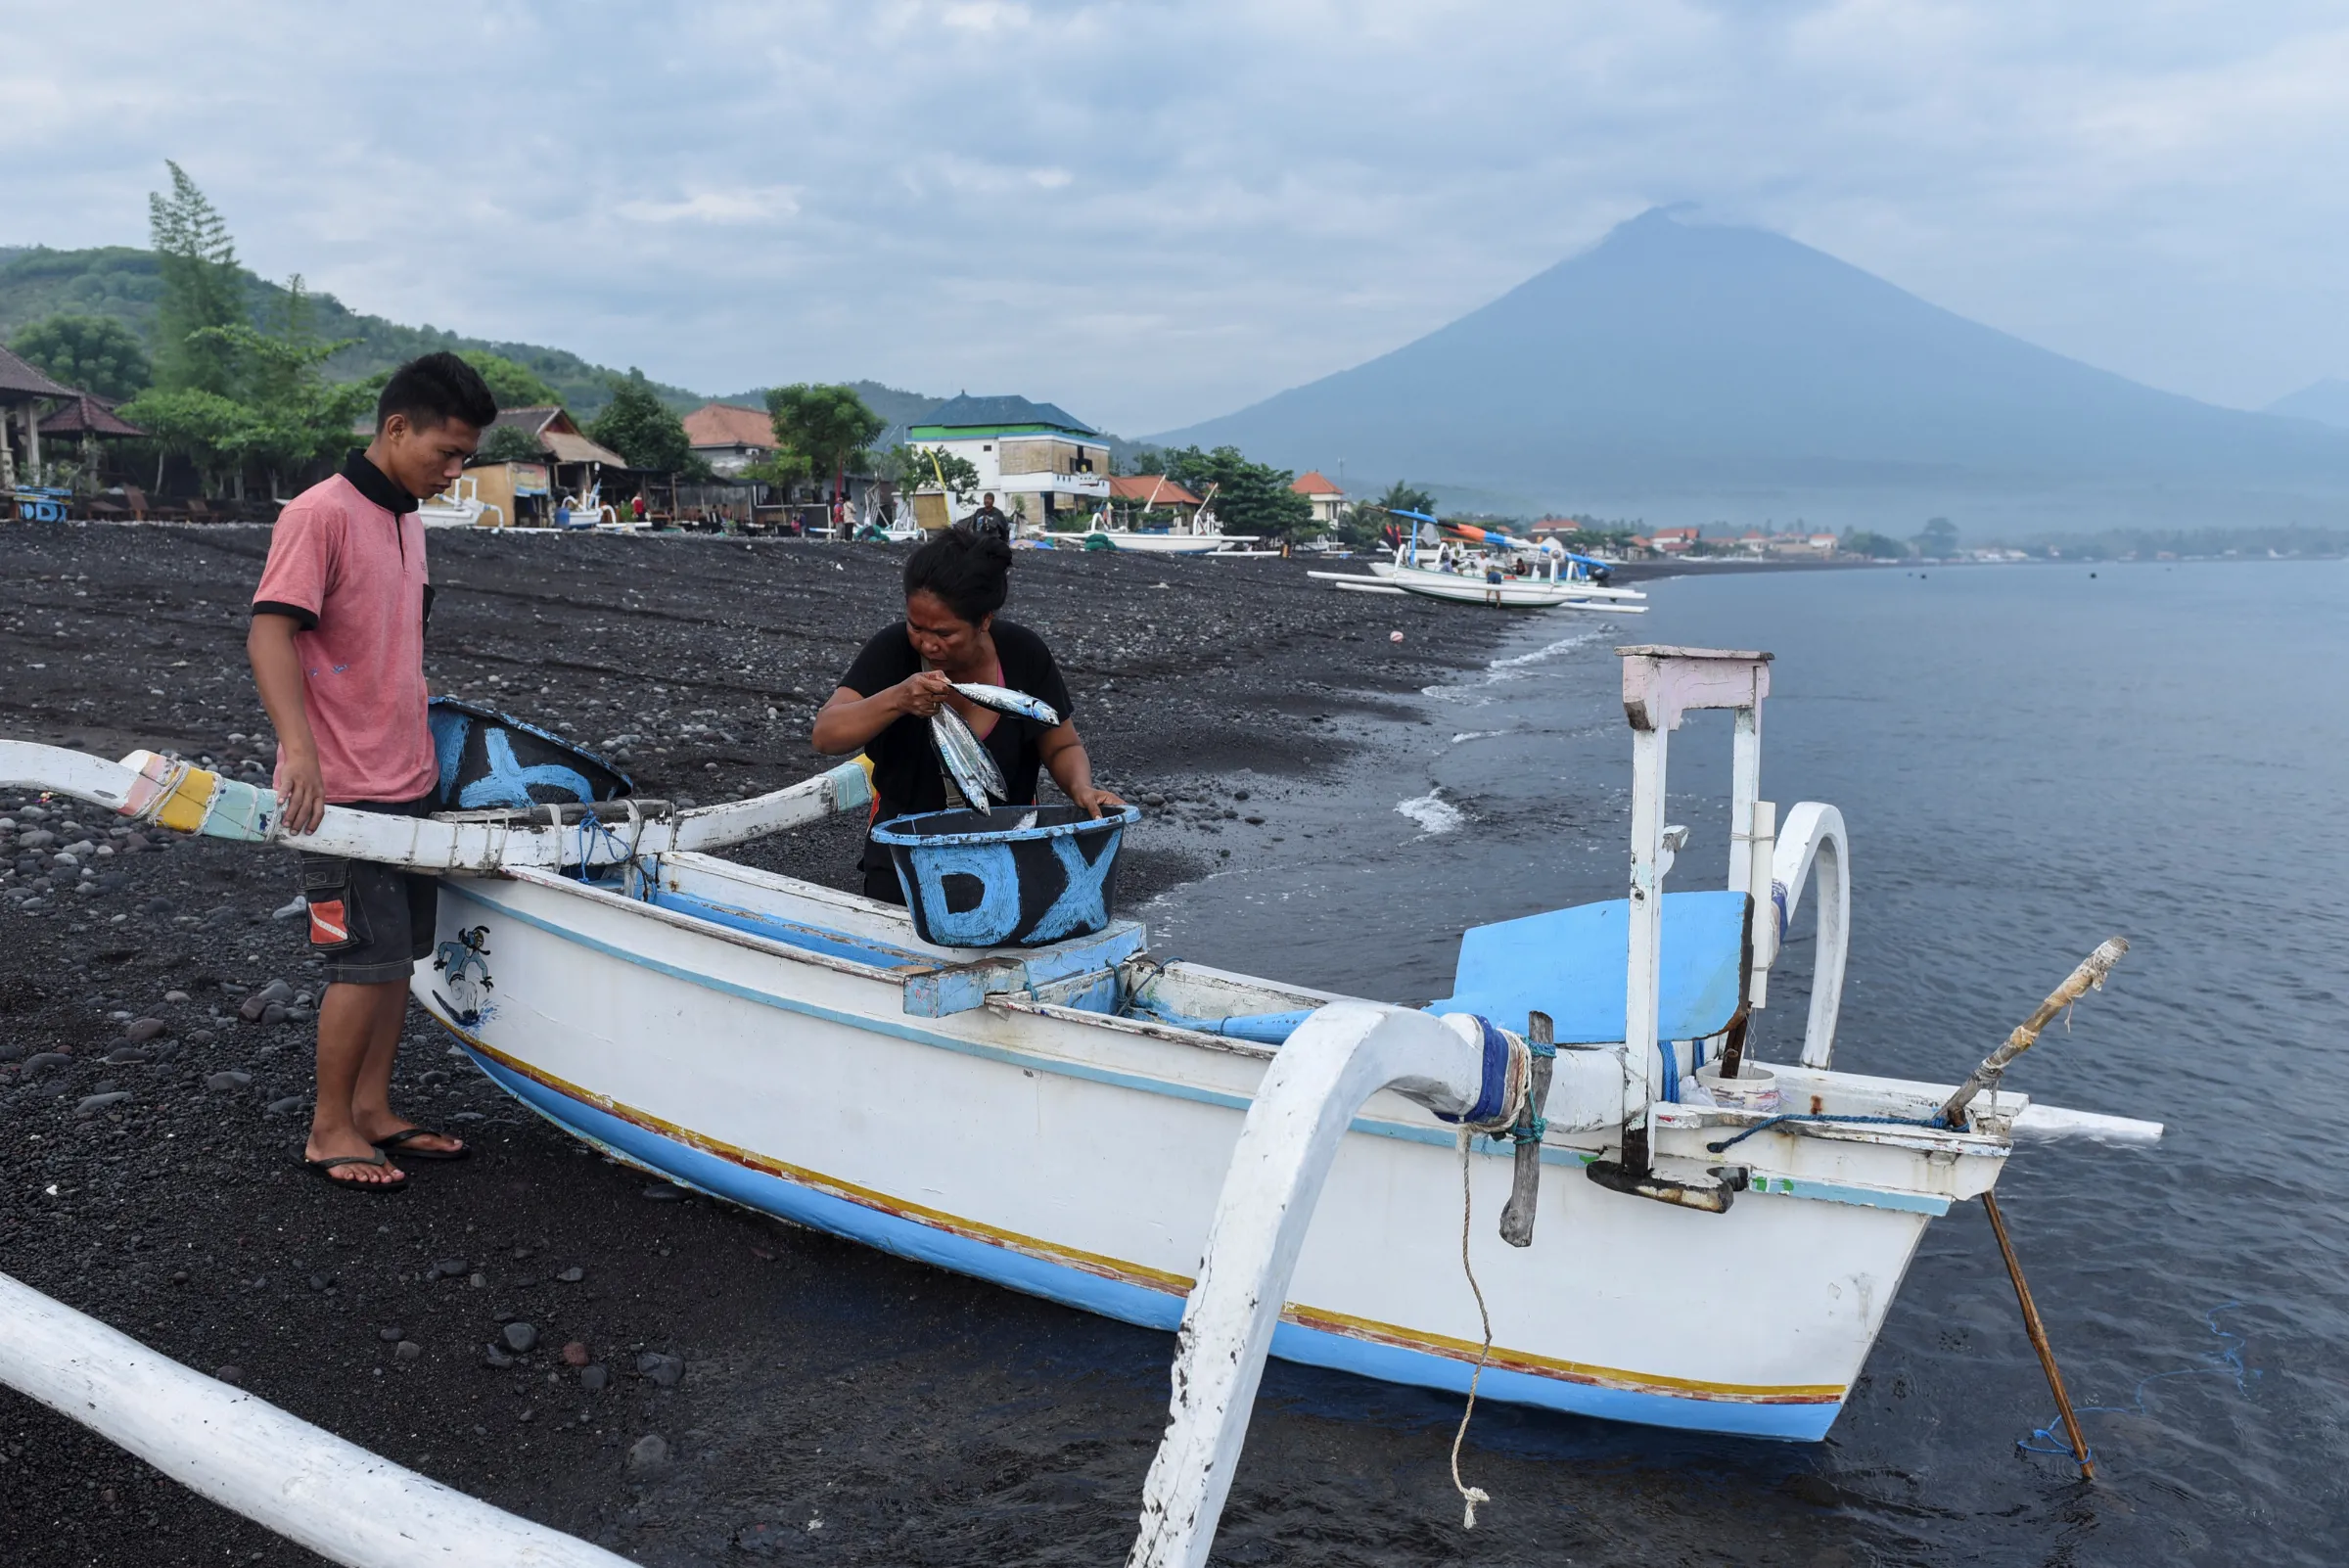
[1079,1159]
[1154,543]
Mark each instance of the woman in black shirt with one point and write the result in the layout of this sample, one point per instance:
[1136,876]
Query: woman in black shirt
[954,586]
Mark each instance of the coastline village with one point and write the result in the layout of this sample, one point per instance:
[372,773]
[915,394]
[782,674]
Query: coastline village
[174,386]
[73,453]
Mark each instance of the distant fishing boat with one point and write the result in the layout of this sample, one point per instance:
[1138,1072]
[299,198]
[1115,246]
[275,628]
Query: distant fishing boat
[1062,1119]
[586,510]
[1560,579]
[460,506]
[1202,535]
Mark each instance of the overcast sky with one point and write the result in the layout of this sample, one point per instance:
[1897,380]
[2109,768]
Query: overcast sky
[1155,212]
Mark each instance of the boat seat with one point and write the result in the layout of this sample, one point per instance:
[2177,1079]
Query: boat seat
[1570,963]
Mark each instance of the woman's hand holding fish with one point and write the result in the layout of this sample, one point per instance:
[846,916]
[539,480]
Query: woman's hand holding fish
[923,692]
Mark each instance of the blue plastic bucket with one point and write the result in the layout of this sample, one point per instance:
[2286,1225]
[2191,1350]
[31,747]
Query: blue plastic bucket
[488,761]
[980,879]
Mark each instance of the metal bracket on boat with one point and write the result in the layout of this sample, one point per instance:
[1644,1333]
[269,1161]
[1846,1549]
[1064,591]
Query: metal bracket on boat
[961,988]
[1707,1198]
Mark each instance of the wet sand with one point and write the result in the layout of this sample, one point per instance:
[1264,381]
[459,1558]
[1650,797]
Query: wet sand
[832,1405]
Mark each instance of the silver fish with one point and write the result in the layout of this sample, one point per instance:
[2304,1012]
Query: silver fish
[1003,700]
[968,763]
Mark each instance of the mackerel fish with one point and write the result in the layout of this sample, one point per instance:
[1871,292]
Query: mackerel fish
[968,764]
[1003,700]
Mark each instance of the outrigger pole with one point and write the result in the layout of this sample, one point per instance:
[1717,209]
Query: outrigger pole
[172,794]
[2090,974]
[2039,1337]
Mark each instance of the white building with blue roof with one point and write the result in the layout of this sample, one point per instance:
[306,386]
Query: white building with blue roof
[1039,459]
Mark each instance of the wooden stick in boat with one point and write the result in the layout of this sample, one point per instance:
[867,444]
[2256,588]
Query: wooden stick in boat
[2091,974]
[1525,1184]
[2039,1333]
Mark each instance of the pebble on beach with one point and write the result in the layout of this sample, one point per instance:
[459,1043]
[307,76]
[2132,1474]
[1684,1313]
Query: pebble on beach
[521,1337]
[662,1371]
[575,1353]
[595,1379]
[649,1452]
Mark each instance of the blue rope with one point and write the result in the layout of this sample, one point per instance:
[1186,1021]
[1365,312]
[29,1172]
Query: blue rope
[2225,1362]
[1727,1144]
[1534,1123]
[1671,1070]
[587,849]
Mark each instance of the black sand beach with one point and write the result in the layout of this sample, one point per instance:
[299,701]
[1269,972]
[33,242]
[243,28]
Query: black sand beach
[809,1399]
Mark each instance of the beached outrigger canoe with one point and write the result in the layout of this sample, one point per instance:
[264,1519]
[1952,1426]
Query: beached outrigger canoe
[1086,1121]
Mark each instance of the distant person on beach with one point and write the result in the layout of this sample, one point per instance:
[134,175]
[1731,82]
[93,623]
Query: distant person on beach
[337,645]
[989,521]
[905,672]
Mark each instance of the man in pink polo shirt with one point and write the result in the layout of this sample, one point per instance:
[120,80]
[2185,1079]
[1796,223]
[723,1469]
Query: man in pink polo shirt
[337,646]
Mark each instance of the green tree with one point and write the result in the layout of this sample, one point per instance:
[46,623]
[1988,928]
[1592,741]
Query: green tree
[1403,497]
[641,427]
[1249,498]
[1875,546]
[828,425]
[210,431]
[920,468]
[1366,523]
[279,410]
[511,443]
[512,384]
[1938,538]
[782,470]
[294,415]
[196,262]
[96,353]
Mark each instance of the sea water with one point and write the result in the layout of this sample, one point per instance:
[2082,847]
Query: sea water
[2029,759]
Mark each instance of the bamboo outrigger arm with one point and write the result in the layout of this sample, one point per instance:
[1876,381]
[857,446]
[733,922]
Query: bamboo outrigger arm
[183,798]
[2090,974]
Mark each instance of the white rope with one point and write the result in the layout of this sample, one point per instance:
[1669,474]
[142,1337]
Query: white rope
[1470,1496]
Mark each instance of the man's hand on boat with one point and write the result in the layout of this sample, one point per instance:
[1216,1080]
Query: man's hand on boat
[302,797]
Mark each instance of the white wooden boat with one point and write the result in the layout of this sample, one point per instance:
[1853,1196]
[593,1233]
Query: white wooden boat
[1202,535]
[1474,584]
[1140,541]
[1063,1120]
[587,511]
[461,506]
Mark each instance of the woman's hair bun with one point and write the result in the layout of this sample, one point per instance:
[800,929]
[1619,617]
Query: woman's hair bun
[969,570]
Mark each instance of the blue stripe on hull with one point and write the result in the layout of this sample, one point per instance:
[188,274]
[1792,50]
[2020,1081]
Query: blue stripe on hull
[1138,1304]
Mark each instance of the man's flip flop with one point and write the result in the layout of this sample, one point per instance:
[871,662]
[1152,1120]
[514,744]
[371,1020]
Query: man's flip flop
[404,1134]
[324,1170]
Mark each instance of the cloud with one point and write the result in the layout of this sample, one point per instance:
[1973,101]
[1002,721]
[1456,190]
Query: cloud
[1151,212]
[767,205]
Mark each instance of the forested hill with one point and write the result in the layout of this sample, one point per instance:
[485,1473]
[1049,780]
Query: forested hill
[121,282]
